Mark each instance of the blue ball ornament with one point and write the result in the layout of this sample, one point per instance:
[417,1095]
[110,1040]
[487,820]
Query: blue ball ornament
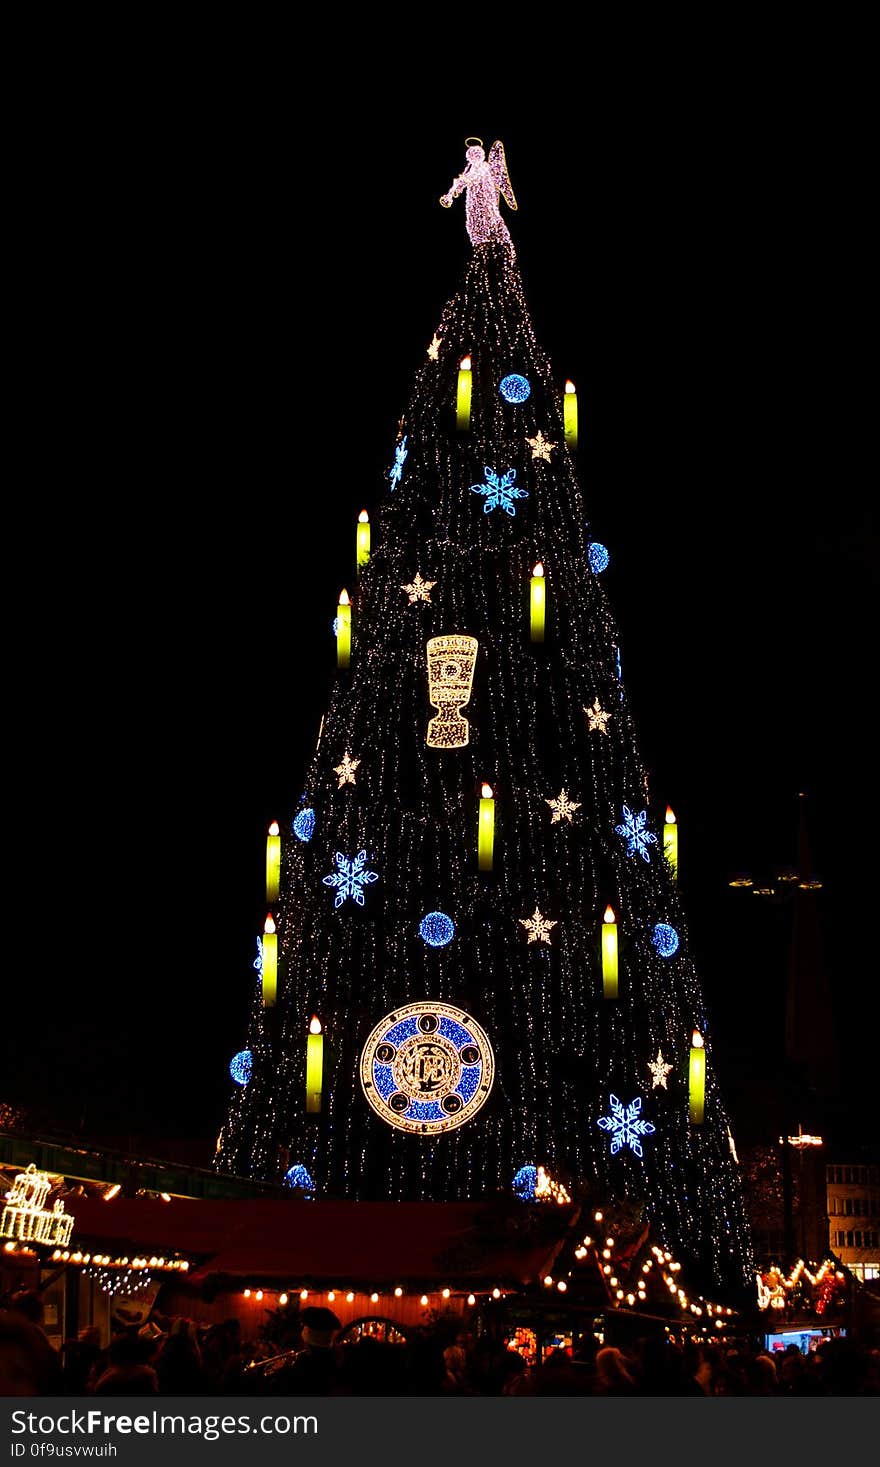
[241,1066]
[599,557]
[299,1176]
[524,1183]
[665,939]
[304,824]
[515,388]
[437,929]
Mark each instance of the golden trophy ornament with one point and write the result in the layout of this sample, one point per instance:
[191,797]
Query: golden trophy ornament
[451,663]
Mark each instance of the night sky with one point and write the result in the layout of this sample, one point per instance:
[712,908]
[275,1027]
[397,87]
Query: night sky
[232,321]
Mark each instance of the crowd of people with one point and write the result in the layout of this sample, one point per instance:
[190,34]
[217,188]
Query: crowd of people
[177,1357]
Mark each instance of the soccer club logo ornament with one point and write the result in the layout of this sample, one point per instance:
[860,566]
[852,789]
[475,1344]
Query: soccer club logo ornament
[451,663]
[427,1068]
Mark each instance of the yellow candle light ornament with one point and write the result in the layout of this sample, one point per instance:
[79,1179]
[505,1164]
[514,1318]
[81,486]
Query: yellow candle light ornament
[486,839]
[270,963]
[273,863]
[314,1066]
[609,954]
[363,540]
[697,1080]
[670,840]
[343,630]
[570,415]
[463,396]
[537,603]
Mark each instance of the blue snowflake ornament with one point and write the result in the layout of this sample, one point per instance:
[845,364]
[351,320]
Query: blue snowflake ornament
[350,878]
[396,470]
[499,489]
[625,1125]
[634,833]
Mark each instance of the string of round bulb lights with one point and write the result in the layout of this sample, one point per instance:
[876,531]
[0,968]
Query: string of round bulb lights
[476,510]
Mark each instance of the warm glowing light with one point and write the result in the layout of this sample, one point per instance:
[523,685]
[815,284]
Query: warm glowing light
[445,1293]
[273,862]
[343,629]
[304,1293]
[247,1293]
[332,1296]
[537,603]
[374,1298]
[350,1298]
[363,540]
[562,1286]
[451,662]
[496,1293]
[314,1066]
[670,840]
[610,966]
[398,1292]
[463,395]
[270,963]
[423,1301]
[282,1299]
[472,1298]
[548,1281]
[258,1295]
[697,1079]
[486,830]
[570,415]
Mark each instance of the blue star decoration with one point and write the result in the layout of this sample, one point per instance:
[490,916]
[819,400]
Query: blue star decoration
[634,833]
[350,878]
[499,489]
[524,1183]
[625,1125]
[396,469]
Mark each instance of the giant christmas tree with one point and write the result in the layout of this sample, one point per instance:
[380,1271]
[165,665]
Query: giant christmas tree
[476,906]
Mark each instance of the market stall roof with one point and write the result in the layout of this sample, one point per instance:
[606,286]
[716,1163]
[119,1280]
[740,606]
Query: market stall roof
[454,1242]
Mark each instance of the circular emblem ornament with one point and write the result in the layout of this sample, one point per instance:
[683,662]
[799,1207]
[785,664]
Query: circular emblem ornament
[426,1068]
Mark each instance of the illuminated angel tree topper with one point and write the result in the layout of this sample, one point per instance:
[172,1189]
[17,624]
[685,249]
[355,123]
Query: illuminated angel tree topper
[484,181]
[446,692]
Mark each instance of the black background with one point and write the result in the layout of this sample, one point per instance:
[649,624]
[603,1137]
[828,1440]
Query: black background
[225,295]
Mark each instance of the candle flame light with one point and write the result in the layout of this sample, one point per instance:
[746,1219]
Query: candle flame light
[486,830]
[463,396]
[314,1066]
[570,414]
[610,967]
[537,603]
[670,840]
[343,629]
[697,1079]
[273,862]
[270,963]
[363,540]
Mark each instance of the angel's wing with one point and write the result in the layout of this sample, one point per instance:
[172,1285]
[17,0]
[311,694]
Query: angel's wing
[498,169]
